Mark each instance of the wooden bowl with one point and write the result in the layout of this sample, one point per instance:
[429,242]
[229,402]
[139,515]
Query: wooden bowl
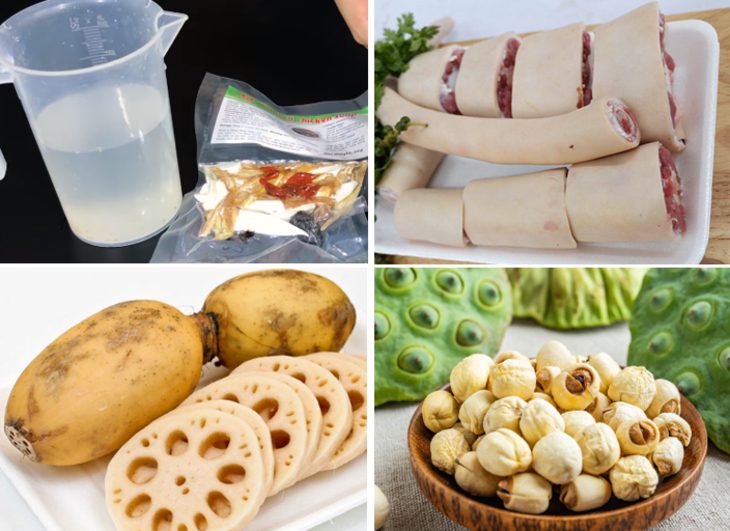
[489,513]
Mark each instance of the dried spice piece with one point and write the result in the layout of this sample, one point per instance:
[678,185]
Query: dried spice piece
[249,196]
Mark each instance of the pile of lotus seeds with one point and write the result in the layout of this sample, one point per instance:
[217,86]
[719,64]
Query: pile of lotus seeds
[514,427]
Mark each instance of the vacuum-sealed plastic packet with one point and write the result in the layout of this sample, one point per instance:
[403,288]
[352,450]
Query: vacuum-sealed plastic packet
[277,184]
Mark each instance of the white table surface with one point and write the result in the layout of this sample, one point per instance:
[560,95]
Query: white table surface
[38,303]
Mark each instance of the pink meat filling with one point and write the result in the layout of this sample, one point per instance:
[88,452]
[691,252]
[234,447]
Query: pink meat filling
[447,96]
[622,119]
[587,78]
[669,67]
[672,187]
[504,80]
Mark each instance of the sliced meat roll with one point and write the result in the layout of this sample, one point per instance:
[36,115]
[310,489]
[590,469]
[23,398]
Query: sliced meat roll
[549,73]
[432,215]
[411,167]
[630,63]
[634,196]
[519,211]
[484,84]
[430,79]
[602,128]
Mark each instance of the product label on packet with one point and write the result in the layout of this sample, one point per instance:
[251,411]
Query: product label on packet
[242,119]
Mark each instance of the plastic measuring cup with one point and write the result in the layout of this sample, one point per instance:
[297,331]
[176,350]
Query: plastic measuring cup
[91,77]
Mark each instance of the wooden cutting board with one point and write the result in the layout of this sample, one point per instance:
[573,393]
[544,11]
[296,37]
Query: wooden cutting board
[718,249]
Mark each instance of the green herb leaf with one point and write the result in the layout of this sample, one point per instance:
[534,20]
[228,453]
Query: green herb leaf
[392,55]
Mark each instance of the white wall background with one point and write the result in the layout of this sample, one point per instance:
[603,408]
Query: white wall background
[475,19]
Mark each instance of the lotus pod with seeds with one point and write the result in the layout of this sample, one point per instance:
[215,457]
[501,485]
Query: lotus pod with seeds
[564,298]
[680,331]
[427,320]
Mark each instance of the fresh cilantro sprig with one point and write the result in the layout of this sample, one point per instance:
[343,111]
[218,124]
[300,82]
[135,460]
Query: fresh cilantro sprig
[392,55]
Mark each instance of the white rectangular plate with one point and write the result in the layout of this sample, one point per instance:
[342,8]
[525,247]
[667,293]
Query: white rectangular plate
[72,498]
[695,48]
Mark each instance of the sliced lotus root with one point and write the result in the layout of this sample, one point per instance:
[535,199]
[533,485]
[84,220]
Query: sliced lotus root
[332,398]
[250,417]
[312,413]
[192,469]
[354,379]
[281,409]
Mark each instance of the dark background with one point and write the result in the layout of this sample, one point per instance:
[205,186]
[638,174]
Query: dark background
[293,51]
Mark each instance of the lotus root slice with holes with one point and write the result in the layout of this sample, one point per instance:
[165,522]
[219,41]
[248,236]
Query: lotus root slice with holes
[312,413]
[354,379]
[332,398]
[281,409]
[192,469]
[250,417]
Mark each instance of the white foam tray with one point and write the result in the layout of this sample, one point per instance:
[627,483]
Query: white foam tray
[695,48]
[72,498]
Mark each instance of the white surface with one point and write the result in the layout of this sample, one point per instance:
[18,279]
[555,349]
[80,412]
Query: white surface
[3,166]
[475,19]
[695,48]
[41,302]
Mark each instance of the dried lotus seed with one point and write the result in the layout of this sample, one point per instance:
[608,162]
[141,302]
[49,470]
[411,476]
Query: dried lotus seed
[634,385]
[512,378]
[504,453]
[538,419]
[575,389]
[545,376]
[672,425]
[585,493]
[556,354]
[606,367]
[599,447]
[599,404]
[440,411]
[525,493]
[504,413]
[382,507]
[668,456]
[557,458]
[470,375]
[633,477]
[472,411]
[446,446]
[620,412]
[468,435]
[666,399]
[472,477]
[637,437]
[575,421]
[510,355]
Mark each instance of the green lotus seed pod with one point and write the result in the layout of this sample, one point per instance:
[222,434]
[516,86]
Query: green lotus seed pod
[699,315]
[574,297]
[424,315]
[415,360]
[661,344]
[399,278]
[687,343]
[435,318]
[450,282]
[661,299]
[469,334]
[382,326]
[489,293]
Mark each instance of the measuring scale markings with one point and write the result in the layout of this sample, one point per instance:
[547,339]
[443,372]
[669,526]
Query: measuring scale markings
[93,39]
